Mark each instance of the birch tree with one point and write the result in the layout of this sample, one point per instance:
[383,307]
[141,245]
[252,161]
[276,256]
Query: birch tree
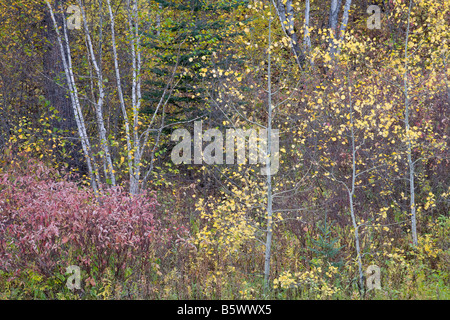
[268,167]
[140,139]
[411,179]
[99,104]
[419,140]
[337,35]
[138,131]
[55,92]
[286,14]
[307,37]
[73,92]
[267,198]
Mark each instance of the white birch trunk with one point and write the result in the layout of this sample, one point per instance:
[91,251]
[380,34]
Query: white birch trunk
[73,92]
[344,22]
[120,93]
[285,12]
[412,202]
[351,194]
[337,36]
[158,20]
[99,104]
[306,37]
[335,50]
[335,5]
[269,172]
[135,92]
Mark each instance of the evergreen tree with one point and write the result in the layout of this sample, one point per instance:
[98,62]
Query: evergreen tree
[194,40]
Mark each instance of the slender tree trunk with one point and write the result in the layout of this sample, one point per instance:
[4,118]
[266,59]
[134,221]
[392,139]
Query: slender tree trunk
[286,14]
[269,173]
[345,16]
[332,25]
[135,91]
[333,17]
[333,22]
[351,194]
[73,93]
[158,20]
[306,38]
[121,98]
[56,89]
[412,202]
[99,105]
[344,23]
[357,244]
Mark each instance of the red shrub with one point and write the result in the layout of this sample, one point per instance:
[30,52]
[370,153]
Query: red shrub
[49,223]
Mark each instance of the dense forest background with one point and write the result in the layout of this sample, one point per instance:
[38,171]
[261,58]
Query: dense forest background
[91,92]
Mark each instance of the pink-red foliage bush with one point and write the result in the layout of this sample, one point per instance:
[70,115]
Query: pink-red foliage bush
[48,222]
